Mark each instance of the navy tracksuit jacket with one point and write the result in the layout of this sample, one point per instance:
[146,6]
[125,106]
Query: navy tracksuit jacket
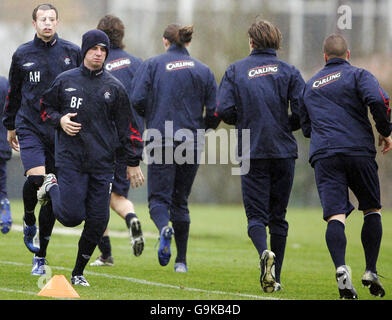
[334,112]
[103,108]
[86,161]
[34,66]
[123,66]
[255,93]
[5,149]
[175,87]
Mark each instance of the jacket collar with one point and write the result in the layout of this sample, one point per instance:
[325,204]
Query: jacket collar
[179,49]
[336,61]
[264,51]
[91,73]
[39,42]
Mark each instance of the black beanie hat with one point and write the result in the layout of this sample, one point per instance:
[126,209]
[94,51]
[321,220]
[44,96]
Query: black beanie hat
[95,37]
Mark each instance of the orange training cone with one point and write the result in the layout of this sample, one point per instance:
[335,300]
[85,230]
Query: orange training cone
[58,287]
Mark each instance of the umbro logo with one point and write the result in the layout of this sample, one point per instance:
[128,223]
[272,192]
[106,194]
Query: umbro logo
[28,64]
[70,89]
[67,61]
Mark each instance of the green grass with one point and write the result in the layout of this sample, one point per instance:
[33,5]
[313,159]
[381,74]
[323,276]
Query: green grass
[223,264]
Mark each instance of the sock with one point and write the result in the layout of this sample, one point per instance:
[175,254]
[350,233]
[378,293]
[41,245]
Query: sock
[46,222]
[336,242]
[128,219]
[105,247]
[371,235]
[86,249]
[278,246]
[160,216]
[181,235]
[30,189]
[258,235]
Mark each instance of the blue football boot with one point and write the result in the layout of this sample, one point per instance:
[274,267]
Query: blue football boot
[30,238]
[5,220]
[164,253]
[38,266]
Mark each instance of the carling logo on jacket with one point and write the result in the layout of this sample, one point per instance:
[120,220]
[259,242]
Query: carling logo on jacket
[329,78]
[118,64]
[262,71]
[177,65]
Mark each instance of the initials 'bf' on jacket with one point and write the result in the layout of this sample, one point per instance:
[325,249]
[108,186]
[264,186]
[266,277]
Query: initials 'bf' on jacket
[103,109]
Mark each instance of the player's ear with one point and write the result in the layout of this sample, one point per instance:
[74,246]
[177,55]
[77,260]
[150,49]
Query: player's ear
[348,54]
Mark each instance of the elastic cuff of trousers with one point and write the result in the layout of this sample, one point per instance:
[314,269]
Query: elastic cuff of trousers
[372,213]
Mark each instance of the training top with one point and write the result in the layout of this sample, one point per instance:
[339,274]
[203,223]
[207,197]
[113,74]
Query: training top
[34,66]
[255,93]
[103,109]
[175,87]
[334,113]
[123,66]
[5,149]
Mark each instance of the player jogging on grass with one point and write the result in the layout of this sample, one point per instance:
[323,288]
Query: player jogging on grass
[123,66]
[34,66]
[174,89]
[256,93]
[5,155]
[335,117]
[91,112]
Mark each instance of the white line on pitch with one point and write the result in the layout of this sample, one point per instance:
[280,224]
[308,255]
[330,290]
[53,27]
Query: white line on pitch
[151,283]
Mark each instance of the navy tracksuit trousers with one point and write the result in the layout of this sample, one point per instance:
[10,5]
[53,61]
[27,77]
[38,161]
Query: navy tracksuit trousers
[82,196]
[266,191]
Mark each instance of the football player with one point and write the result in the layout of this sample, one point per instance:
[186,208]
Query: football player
[334,115]
[173,89]
[5,155]
[34,66]
[123,66]
[256,93]
[91,112]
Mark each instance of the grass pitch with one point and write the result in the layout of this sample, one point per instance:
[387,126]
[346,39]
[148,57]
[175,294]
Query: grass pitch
[223,264]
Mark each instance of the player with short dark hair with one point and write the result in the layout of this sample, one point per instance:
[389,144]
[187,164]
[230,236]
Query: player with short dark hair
[5,155]
[256,93]
[123,66]
[334,115]
[34,66]
[91,112]
[174,88]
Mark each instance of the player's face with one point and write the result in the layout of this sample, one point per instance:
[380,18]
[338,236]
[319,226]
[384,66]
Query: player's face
[95,57]
[46,24]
